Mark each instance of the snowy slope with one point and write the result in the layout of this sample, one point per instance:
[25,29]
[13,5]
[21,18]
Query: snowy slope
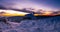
[50,24]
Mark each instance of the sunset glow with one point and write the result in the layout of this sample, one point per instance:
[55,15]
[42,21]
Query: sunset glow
[12,13]
[43,6]
[18,13]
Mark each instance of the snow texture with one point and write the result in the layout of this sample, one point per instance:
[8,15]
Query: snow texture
[51,24]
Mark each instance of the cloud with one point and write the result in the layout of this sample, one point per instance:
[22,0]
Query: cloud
[20,4]
[2,7]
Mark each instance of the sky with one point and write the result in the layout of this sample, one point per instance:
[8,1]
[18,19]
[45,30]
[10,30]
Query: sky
[36,4]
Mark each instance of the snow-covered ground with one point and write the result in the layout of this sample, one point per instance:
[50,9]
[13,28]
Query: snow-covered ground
[51,24]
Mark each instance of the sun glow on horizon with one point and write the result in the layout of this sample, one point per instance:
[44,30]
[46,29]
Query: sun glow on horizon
[12,13]
[18,13]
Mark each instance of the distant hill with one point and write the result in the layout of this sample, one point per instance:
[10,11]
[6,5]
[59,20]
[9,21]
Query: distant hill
[18,18]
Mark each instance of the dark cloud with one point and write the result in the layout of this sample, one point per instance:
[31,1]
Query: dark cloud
[2,7]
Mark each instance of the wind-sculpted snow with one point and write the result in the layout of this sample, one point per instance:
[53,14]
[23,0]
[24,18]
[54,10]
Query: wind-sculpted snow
[50,24]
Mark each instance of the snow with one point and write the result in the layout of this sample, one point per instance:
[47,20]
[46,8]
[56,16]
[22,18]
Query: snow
[51,24]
